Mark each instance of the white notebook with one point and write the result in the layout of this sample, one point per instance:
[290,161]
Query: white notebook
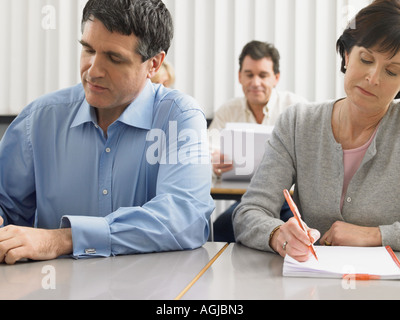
[338,262]
[244,145]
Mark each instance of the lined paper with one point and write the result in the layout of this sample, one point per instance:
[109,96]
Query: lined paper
[336,262]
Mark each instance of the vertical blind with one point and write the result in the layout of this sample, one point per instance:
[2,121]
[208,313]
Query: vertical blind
[40,50]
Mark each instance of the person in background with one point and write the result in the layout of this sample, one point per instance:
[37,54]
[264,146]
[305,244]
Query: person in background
[165,76]
[81,171]
[259,74]
[342,155]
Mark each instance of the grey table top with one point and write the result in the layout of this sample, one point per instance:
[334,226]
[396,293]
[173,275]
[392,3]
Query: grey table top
[157,276]
[241,273]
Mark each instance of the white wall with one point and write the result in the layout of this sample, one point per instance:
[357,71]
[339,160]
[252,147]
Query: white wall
[40,51]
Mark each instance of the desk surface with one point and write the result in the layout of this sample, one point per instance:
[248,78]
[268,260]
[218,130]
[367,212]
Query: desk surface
[242,273]
[228,190]
[158,276]
[238,273]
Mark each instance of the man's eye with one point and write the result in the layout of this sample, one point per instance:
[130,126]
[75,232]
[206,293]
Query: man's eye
[115,60]
[89,51]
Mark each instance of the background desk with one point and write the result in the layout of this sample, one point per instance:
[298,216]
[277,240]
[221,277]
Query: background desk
[228,190]
[158,276]
[241,273]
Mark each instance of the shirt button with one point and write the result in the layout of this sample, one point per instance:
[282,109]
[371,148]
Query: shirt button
[348,199]
[105,192]
[108,150]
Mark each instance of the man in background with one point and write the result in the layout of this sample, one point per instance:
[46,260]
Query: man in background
[259,74]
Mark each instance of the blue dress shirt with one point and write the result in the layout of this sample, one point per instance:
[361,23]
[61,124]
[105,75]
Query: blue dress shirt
[145,187]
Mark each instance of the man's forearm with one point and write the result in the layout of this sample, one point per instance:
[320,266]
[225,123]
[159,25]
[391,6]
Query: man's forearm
[62,244]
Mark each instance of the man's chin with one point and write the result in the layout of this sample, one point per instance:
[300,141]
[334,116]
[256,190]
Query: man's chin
[96,100]
[258,102]
[96,104]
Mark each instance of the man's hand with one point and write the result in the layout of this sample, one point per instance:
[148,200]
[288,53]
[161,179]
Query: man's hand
[220,164]
[18,243]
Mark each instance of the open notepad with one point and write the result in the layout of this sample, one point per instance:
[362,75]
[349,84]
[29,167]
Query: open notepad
[338,262]
[244,145]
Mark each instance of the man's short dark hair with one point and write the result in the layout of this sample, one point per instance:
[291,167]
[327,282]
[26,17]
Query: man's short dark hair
[258,50]
[149,20]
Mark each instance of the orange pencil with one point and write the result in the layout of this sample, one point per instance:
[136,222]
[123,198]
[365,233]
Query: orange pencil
[361,277]
[297,215]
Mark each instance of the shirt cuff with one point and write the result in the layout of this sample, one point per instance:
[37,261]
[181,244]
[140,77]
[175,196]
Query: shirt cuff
[90,236]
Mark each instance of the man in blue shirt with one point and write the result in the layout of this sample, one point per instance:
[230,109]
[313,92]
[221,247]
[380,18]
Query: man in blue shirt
[119,163]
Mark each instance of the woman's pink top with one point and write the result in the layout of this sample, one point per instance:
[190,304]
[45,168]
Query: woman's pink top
[352,160]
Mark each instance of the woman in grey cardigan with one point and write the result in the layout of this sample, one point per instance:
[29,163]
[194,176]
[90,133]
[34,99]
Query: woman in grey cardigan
[342,156]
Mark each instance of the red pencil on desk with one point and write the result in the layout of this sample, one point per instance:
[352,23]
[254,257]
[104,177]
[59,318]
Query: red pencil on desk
[297,215]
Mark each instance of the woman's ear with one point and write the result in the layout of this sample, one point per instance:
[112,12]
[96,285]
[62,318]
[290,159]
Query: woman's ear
[346,60]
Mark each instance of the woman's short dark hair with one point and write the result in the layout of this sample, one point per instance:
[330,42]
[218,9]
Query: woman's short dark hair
[149,20]
[376,25]
[258,50]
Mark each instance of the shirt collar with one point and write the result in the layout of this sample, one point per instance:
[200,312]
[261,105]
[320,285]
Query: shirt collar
[85,114]
[138,114]
[271,102]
